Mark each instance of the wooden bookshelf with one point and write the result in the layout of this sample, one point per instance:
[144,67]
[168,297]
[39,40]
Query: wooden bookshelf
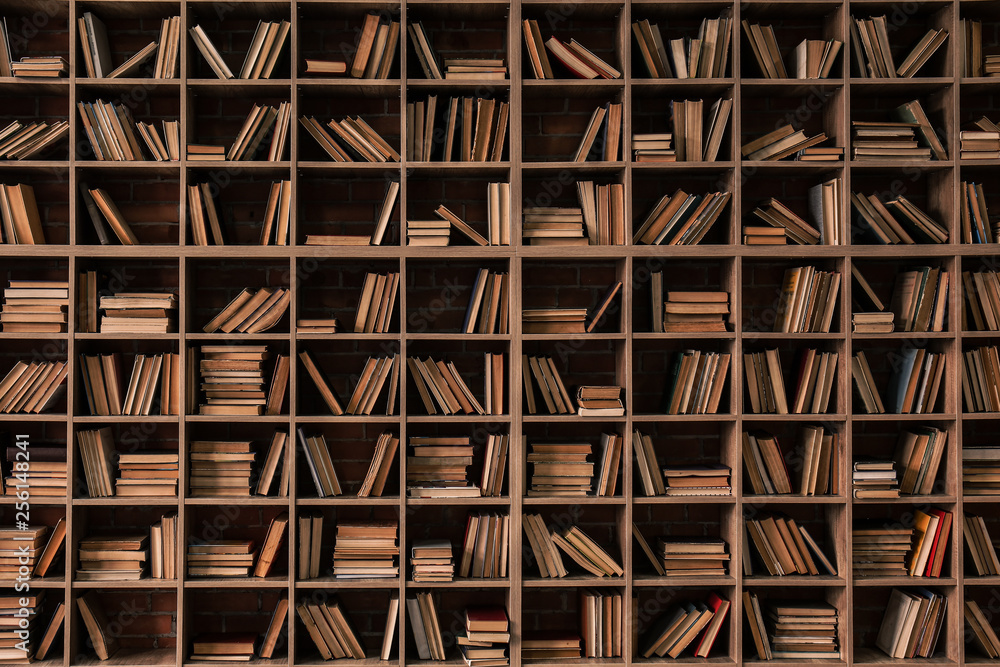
[434,292]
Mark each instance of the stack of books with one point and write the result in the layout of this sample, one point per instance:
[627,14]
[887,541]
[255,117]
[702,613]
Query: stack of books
[475,69]
[148,474]
[872,323]
[875,479]
[21,547]
[32,387]
[885,140]
[330,630]
[681,219]
[784,547]
[779,144]
[692,312]
[783,219]
[653,147]
[366,550]
[696,140]
[40,66]
[377,303]
[811,59]
[560,470]
[223,646]
[163,547]
[330,325]
[421,611]
[918,455]
[808,300]
[601,616]
[111,558]
[139,312]
[265,50]
[432,561]
[97,453]
[777,639]
[981,546]
[599,401]
[485,548]
[916,385]
[980,144]
[221,558]
[21,222]
[548,645]
[24,142]
[439,383]
[220,468]
[479,137]
[553,320]
[682,557]
[697,480]
[550,385]
[436,233]
[985,636]
[232,378]
[252,311]
[880,550]
[919,299]
[35,306]
[310,536]
[912,623]
[19,616]
[980,465]
[678,628]
[551,225]
[46,475]
[608,116]
[870,44]
[698,380]
[702,57]
[489,304]
[978,379]
[438,468]
[317,455]
[486,637]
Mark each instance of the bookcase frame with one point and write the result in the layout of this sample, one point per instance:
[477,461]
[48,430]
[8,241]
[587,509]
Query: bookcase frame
[632,262]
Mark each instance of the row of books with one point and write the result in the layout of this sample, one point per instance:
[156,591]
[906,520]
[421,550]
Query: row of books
[811,59]
[20,141]
[609,119]
[251,311]
[489,304]
[778,634]
[977,225]
[785,547]
[97,449]
[675,631]
[599,220]
[697,138]
[696,384]
[330,630]
[601,623]
[440,384]
[889,549]
[22,224]
[317,454]
[980,368]
[375,53]
[479,138]
[912,623]
[808,300]
[31,387]
[920,299]
[918,455]
[766,466]
[485,548]
[97,50]
[114,135]
[35,306]
[576,544]
[262,56]
[550,386]
[704,56]
[150,374]
[376,304]
[681,218]
[779,144]
[979,467]
[153,473]
[766,385]
[914,387]
[873,54]
[574,56]
[980,545]
[364,142]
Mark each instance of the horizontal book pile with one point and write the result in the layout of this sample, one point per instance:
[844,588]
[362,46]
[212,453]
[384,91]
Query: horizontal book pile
[779,144]
[21,614]
[485,550]
[653,147]
[553,320]
[221,558]
[475,69]
[977,224]
[32,387]
[687,312]
[317,455]
[599,220]
[986,637]
[980,465]
[711,480]
[609,119]
[223,646]
[21,547]
[872,323]
[576,58]
[980,144]
[692,142]
[473,127]
[785,547]
[112,558]
[46,476]
[163,547]
[377,303]
[560,470]
[912,623]
[873,55]
[599,401]
[489,304]
[374,56]
[681,218]
[220,468]
[885,549]
[20,141]
[808,300]
[148,474]
[438,468]
[439,383]
[980,546]
[769,474]
[232,379]
[682,557]
[366,550]
[115,136]
[353,140]
[21,223]
[776,639]
[811,59]
[486,637]
[696,384]
[549,645]
[330,630]
[601,623]
[979,385]
[139,312]
[784,225]
[252,311]
[875,479]
[35,306]
[432,561]
[265,49]
[676,630]
[704,56]
[40,66]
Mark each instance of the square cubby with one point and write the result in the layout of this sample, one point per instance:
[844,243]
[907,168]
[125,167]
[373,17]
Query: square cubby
[457,32]
[232,32]
[431,198]
[563,612]
[910,378]
[667,27]
[921,453]
[575,528]
[879,604]
[654,610]
[221,284]
[246,205]
[48,188]
[44,542]
[453,298]
[789,28]
[448,607]
[22,318]
[792,298]
[572,298]
[363,455]
[332,33]
[50,108]
[808,545]
[130,29]
[595,26]
[344,290]
[136,377]
[469,372]
[917,292]
[565,129]
[674,377]
[148,203]
[37,454]
[930,104]
[902,32]
[238,460]
[320,521]
[36,371]
[559,368]
[827,609]
[227,529]
[108,121]
[479,540]
[339,377]
[692,543]
[371,617]
[975,192]
[698,117]
[219,126]
[211,614]
[339,119]
[119,278]
[700,448]
[336,210]
[704,194]
[138,461]
[148,618]
[124,529]
[665,300]
[774,197]
[765,111]
[977,460]
[790,377]
[574,459]
[467,458]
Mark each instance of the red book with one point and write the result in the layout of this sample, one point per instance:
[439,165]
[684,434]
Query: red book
[720,607]
[486,619]
[936,559]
